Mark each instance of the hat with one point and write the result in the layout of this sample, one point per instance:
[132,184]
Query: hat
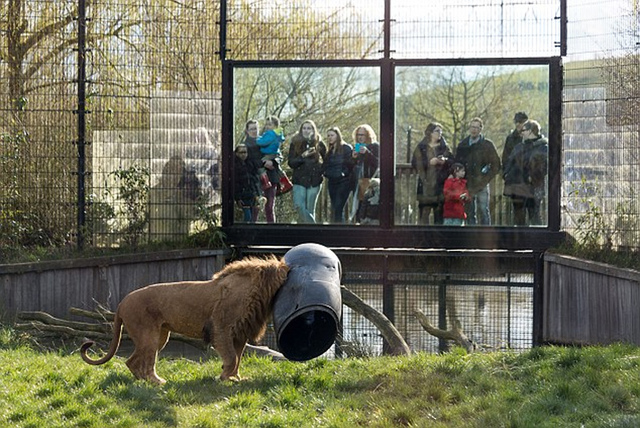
[520,117]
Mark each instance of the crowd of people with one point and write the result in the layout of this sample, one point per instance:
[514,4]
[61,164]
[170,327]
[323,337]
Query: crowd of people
[347,170]
[452,188]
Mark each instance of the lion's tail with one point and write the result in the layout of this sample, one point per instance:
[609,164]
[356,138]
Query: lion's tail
[113,347]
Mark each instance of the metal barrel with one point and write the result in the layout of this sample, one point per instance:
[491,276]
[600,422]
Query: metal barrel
[308,307]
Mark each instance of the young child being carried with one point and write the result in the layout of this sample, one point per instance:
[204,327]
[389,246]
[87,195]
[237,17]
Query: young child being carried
[456,196]
[270,142]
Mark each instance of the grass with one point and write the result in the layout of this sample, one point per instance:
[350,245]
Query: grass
[544,387]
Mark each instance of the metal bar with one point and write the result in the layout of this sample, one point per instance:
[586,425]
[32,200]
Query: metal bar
[388,298]
[538,299]
[563,27]
[442,312]
[555,145]
[81,112]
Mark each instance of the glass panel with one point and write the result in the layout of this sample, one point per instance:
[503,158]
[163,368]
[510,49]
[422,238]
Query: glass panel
[505,181]
[315,108]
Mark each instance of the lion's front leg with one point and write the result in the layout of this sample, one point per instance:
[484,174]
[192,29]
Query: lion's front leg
[239,346]
[230,353]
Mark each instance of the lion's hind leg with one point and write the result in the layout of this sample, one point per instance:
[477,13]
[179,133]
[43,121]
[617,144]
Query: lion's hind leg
[142,362]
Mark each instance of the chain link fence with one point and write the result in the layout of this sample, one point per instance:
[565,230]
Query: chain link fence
[147,115]
[601,114]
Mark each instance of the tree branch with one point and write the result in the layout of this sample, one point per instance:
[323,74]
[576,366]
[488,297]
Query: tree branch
[455,334]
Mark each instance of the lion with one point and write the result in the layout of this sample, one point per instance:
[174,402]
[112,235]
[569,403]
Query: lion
[227,311]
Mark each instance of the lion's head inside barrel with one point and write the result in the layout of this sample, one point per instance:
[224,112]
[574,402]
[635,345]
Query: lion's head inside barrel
[307,308]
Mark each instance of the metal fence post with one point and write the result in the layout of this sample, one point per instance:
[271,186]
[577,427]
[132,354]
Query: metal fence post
[442,312]
[81,112]
[388,299]
[538,298]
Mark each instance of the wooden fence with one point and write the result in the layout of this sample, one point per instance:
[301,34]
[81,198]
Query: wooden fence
[589,303]
[56,286]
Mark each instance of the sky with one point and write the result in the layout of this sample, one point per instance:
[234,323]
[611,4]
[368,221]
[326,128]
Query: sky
[461,28]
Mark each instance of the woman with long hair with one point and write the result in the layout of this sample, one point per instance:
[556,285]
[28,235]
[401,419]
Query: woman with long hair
[367,158]
[432,159]
[306,155]
[338,167]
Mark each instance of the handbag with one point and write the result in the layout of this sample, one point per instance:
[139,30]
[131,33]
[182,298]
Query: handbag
[363,184]
[284,186]
[265,183]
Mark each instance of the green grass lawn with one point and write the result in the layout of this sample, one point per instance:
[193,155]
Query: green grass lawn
[544,387]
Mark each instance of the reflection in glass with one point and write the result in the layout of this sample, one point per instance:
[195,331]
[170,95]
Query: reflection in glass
[479,111]
[336,99]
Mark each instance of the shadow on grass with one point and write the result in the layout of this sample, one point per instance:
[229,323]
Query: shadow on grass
[143,399]
[207,390]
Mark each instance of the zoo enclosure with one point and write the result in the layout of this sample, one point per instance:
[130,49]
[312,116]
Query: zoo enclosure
[97,98]
[491,296]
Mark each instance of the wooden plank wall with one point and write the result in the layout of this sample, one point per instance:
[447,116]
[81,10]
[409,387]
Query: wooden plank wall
[54,287]
[589,303]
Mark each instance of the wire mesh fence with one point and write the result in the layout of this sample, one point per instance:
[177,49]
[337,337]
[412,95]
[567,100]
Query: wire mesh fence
[600,122]
[151,105]
[494,311]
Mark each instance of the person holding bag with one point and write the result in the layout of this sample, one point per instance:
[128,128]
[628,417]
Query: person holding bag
[367,157]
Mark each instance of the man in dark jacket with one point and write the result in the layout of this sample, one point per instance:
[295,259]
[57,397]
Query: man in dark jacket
[525,175]
[512,140]
[481,161]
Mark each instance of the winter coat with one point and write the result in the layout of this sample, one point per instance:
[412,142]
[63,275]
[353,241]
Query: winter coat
[526,169]
[246,185]
[339,166]
[431,177]
[255,158]
[512,140]
[453,205]
[307,171]
[271,141]
[481,162]
[367,164]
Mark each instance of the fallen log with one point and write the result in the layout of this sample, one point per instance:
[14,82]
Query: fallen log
[99,314]
[455,334]
[44,322]
[46,318]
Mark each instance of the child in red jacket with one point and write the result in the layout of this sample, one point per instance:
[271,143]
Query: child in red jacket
[455,196]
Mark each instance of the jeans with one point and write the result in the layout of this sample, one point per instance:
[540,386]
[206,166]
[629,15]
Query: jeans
[479,204]
[248,214]
[339,194]
[304,200]
[453,222]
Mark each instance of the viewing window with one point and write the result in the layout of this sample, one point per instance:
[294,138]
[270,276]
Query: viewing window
[504,181]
